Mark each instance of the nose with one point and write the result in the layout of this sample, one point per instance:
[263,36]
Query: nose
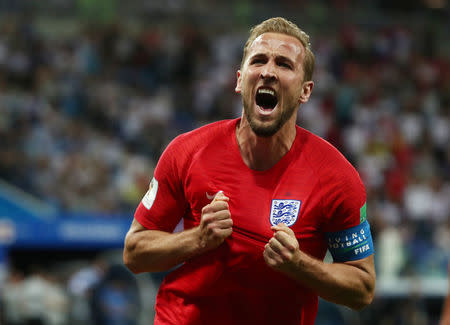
[268,72]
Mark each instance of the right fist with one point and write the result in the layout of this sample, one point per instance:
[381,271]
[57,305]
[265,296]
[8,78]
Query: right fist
[216,223]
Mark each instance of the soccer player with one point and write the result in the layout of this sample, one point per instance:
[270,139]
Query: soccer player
[261,200]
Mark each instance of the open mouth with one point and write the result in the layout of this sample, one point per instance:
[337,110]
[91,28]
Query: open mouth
[266,99]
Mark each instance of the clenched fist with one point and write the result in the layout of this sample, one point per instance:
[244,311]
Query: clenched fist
[216,223]
[282,252]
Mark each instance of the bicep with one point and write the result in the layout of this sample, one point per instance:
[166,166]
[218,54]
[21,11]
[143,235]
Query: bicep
[136,227]
[365,264]
[366,267]
[139,245]
[137,231]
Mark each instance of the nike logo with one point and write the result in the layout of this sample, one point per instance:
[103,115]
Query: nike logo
[211,197]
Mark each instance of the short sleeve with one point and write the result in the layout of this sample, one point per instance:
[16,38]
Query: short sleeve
[347,230]
[164,204]
[344,199]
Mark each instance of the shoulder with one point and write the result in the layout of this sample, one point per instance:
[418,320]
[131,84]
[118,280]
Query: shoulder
[336,176]
[325,159]
[342,193]
[187,144]
[181,150]
[205,133]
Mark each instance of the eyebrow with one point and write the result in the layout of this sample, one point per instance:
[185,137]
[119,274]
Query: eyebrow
[257,55]
[285,59]
[277,58]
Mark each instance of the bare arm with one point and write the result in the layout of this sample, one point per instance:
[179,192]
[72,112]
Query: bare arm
[351,283]
[153,250]
[445,314]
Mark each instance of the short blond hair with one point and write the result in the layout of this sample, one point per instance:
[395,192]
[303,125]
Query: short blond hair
[283,26]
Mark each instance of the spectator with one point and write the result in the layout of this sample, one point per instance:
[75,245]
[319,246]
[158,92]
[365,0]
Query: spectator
[12,299]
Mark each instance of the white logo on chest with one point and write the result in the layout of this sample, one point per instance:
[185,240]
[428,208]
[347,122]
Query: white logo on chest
[284,211]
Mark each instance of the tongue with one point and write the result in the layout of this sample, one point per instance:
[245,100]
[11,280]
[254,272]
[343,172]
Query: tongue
[266,108]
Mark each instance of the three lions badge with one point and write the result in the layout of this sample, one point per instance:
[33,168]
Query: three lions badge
[284,211]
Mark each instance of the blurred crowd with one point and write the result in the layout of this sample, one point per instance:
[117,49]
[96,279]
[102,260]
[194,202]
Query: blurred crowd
[83,118]
[86,110]
[85,293]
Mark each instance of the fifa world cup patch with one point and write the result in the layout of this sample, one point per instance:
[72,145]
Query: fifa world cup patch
[363,213]
[351,244]
[284,211]
[150,196]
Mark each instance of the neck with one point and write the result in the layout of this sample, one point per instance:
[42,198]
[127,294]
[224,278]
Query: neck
[262,153]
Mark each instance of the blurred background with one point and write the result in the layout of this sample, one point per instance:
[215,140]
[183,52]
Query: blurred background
[91,92]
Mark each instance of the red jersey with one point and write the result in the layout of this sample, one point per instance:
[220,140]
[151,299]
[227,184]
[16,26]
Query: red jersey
[313,189]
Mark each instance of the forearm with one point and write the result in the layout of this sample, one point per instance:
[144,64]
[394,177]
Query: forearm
[155,251]
[351,284]
[445,314]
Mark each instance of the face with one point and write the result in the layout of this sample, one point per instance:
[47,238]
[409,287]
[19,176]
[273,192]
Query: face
[271,82]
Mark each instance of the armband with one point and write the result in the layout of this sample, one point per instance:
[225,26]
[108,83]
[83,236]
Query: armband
[351,244]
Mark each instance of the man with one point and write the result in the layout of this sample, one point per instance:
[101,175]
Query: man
[261,200]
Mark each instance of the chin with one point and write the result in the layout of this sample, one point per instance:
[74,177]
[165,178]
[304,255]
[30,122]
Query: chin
[265,131]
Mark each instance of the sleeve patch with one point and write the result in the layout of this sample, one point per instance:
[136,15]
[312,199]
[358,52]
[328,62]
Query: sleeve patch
[362,213]
[351,244]
[150,196]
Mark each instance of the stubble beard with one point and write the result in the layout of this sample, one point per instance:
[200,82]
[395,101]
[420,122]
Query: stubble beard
[267,130]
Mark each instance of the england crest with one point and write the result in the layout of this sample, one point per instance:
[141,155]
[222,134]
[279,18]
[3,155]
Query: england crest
[284,211]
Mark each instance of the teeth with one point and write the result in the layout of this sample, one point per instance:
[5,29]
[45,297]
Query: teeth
[266,91]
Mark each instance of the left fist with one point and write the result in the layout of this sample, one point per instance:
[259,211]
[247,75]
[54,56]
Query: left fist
[282,252]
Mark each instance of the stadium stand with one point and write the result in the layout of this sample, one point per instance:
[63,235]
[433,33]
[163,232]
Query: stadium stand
[91,92]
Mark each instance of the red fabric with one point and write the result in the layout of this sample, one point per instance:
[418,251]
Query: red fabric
[232,284]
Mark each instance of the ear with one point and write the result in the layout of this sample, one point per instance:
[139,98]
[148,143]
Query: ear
[307,88]
[238,82]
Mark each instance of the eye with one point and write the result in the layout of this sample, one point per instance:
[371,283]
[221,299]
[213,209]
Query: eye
[285,65]
[257,61]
